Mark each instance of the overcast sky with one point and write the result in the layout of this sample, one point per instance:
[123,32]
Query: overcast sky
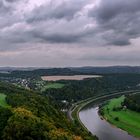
[59,33]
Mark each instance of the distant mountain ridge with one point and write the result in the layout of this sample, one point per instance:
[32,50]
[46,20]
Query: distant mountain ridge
[34,71]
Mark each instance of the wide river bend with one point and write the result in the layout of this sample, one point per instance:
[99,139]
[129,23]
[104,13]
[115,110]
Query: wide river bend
[102,129]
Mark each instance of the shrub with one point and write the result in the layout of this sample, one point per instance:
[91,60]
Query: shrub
[116,118]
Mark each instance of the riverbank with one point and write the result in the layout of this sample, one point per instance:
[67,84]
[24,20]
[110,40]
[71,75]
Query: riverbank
[74,113]
[122,117]
[74,116]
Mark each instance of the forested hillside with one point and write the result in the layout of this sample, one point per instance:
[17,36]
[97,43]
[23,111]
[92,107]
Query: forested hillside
[32,116]
[39,72]
[28,115]
[78,90]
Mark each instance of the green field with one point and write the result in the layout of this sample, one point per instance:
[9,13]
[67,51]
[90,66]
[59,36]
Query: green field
[126,119]
[52,85]
[3,102]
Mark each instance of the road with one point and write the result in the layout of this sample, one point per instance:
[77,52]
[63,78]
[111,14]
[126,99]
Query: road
[85,102]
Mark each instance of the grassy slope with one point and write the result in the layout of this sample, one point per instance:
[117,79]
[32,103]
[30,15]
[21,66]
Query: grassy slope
[53,85]
[128,120]
[3,102]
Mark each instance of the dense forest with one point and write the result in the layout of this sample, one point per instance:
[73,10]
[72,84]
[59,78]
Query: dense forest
[79,90]
[39,115]
[32,116]
[133,102]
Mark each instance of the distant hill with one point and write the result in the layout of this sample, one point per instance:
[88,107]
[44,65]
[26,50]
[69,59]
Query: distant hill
[39,72]
[43,72]
[108,70]
[33,72]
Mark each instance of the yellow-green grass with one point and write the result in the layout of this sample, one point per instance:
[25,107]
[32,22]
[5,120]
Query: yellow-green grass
[127,120]
[53,85]
[3,102]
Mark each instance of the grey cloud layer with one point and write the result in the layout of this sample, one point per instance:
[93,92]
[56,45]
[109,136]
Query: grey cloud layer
[119,20]
[107,9]
[56,10]
[71,24]
[114,22]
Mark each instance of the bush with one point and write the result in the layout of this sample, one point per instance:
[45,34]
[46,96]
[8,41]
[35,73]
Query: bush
[117,108]
[116,118]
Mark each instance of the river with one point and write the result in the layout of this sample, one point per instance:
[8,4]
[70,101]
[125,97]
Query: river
[101,128]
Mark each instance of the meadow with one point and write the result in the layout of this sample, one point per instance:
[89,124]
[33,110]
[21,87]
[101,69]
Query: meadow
[122,117]
[53,86]
[3,102]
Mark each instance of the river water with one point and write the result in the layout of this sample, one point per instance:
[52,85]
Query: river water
[101,128]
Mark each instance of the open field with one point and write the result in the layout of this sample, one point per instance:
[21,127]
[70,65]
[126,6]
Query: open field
[74,77]
[53,85]
[126,119]
[3,101]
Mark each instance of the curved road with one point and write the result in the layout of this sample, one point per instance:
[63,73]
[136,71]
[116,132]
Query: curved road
[80,105]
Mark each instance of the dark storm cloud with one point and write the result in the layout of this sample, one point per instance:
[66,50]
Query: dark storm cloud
[116,38]
[108,9]
[121,17]
[55,21]
[57,38]
[10,1]
[54,10]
